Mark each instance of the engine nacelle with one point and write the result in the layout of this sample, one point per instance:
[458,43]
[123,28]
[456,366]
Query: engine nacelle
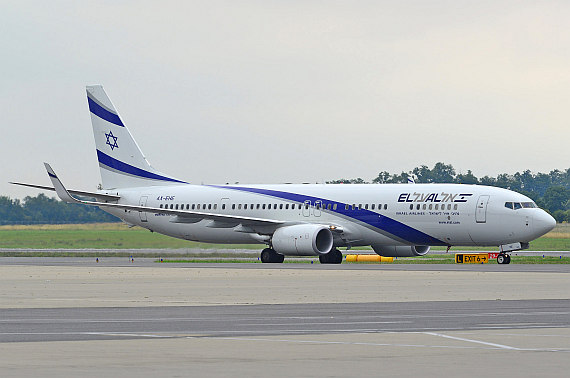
[401,250]
[303,240]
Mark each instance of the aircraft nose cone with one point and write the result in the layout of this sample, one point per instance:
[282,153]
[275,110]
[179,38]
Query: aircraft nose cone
[543,223]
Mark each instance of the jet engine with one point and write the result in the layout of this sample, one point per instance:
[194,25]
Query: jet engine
[303,240]
[401,250]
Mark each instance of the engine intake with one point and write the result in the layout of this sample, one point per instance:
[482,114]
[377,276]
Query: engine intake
[401,250]
[303,240]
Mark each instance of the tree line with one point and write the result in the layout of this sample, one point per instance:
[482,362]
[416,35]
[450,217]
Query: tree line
[550,191]
[45,210]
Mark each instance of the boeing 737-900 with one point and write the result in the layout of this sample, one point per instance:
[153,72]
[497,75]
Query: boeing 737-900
[398,220]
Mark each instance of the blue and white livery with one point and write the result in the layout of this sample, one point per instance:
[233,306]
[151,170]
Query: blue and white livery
[300,220]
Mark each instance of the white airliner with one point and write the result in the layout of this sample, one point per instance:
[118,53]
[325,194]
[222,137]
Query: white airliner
[399,220]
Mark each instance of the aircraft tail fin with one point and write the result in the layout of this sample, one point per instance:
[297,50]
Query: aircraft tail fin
[121,161]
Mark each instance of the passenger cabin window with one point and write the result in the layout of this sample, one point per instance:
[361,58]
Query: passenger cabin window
[223,206]
[411,207]
[233,206]
[385,206]
[161,206]
[372,207]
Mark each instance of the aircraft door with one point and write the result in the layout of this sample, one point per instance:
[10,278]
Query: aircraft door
[318,207]
[142,214]
[307,208]
[481,211]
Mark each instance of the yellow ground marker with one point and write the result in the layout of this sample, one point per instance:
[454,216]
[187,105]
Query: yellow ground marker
[368,258]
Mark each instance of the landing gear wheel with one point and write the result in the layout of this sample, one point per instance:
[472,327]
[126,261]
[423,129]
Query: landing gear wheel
[268,255]
[502,258]
[508,261]
[333,257]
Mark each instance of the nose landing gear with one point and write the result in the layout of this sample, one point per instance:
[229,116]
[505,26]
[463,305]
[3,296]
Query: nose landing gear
[503,258]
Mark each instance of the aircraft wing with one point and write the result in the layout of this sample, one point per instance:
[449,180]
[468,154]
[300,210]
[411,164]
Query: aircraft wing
[181,216]
[97,196]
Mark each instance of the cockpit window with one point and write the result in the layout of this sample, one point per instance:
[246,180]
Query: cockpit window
[520,205]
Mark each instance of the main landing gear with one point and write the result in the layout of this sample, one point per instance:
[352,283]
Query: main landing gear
[333,257]
[503,258]
[269,255]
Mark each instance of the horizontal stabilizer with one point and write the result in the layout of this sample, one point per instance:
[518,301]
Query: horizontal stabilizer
[97,196]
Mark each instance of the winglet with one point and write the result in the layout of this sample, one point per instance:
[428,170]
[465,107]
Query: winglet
[62,193]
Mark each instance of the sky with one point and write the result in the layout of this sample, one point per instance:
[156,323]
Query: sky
[286,91]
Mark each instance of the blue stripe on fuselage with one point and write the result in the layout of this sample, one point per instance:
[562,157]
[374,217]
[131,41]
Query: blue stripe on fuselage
[103,113]
[129,169]
[371,218]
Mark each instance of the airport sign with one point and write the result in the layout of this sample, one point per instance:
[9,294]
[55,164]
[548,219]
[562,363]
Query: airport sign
[471,258]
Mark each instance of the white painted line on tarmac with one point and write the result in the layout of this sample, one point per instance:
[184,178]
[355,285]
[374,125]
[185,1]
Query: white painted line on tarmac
[500,346]
[339,343]
[487,346]
[513,334]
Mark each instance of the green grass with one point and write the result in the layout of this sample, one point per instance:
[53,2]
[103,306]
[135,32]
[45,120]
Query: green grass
[98,236]
[119,236]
